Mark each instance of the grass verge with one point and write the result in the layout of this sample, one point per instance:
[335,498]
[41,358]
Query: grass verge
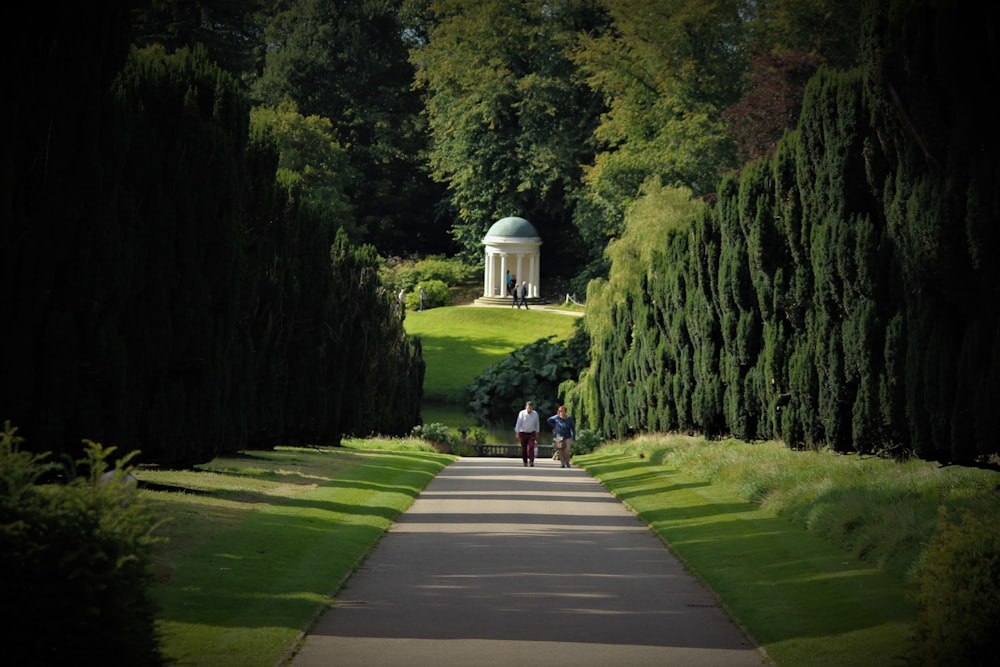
[259,544]
[811,552]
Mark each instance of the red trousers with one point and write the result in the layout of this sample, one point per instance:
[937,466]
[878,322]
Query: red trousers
[527,441]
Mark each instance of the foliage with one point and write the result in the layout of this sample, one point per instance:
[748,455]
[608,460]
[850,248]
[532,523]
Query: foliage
[959,593]
[826,29]
[437,295]
[586,441]
[508,122]
[531,373]
[312,165]
[662,214]
[771,105]
[435,432]
[347,62]
[398,273]
[666,70]
[226,311]
[452,271]
[825,298]
[232,32]
[75,554]
[460,440]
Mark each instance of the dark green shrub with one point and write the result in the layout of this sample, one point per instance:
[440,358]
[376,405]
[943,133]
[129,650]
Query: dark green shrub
[958,600]
[437,295]
[75,556]
[586,441]
[531,373]
[450,271]
[408,274]
[435,433]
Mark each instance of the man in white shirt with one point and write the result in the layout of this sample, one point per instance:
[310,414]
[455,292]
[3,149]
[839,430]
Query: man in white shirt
[526,427]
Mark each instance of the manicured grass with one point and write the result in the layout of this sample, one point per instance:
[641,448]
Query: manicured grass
[804,601]
[258,545]
[809,551]
[459,342]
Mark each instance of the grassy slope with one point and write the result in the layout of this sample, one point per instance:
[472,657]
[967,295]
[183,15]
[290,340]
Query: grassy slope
[459,342]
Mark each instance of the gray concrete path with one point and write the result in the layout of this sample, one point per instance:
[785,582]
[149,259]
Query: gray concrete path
[499,564]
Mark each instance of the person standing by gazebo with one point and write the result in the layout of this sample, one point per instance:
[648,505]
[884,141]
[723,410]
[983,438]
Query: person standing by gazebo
[523,291]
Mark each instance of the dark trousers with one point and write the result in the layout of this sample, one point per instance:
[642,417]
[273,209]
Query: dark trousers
[527,441]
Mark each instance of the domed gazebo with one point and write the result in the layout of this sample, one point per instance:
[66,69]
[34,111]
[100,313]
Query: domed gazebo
[512,244]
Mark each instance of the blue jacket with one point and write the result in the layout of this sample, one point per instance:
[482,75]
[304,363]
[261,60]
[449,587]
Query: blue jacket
[564,427]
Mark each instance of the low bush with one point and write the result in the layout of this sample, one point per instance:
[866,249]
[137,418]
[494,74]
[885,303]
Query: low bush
[437,292]
[532,372]
[75,560]
[408,274]
[958,622]
[586,441]
[435,433]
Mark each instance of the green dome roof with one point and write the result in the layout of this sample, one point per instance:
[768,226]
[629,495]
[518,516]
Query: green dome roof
[512,227]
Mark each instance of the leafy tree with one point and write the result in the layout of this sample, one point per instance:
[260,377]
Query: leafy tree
[347,62]
[312,165]
[771,105]
[533,373]
[667,71]
[510,126]
[824,30]
[232,31]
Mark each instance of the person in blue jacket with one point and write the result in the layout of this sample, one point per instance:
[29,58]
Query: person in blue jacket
[564,430]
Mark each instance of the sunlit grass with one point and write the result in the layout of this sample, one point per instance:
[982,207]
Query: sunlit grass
[258,544]
[459,342]
[811,551]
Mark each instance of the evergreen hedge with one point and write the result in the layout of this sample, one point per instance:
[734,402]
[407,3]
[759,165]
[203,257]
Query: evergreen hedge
[840,293]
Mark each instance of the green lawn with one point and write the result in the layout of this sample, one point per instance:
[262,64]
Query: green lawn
[809,551]
[459,342]
[259,543]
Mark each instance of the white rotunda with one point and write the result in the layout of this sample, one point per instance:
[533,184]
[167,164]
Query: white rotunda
[512,246]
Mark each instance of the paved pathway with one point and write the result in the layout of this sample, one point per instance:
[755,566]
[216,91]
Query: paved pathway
[498,564]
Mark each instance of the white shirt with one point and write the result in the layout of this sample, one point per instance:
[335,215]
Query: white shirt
[527,421]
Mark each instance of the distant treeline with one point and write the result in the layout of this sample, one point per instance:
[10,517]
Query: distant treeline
[844,292]
[160,290]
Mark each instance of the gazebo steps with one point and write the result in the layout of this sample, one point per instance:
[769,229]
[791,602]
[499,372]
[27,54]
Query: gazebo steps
[507,301]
